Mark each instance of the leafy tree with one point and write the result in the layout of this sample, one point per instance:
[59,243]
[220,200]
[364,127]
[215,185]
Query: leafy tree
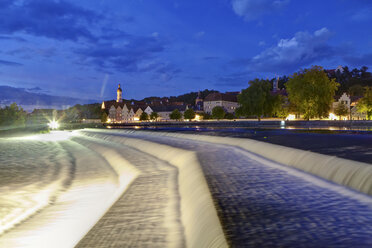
[229,116]
[206,116]
[341,110]
[175,115]
[257,99]
[280,106]
[12,115]
[218,112]
[365,104]
[356,90]
[104,117]
[189,114]
[154,116]
[72,115]
[144,116]
[312,92]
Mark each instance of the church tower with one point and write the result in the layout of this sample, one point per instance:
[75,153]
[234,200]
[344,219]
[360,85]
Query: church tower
[276,84]
[199,102]
[119,94]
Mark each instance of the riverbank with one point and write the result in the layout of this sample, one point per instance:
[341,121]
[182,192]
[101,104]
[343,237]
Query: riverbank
[251,123]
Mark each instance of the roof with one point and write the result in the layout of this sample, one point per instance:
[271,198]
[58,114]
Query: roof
[168,108]
[228,97]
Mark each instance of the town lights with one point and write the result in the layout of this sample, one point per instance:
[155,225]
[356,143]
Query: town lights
[290,117]
[53,124]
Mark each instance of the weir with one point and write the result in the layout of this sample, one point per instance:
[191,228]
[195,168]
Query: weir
[352,174]
[199,216]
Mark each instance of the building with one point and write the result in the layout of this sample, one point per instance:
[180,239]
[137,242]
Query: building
[228,101]
[351,102]
[199,103]
[164,111]
[121,111]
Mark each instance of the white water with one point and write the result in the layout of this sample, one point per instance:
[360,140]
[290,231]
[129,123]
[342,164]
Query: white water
[65,183]
[53,205]
[352,174]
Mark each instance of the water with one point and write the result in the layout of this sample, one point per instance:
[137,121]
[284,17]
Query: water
[350,144]
[127,188]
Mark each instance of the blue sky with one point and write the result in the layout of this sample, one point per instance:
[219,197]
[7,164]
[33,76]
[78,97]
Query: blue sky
[169,47]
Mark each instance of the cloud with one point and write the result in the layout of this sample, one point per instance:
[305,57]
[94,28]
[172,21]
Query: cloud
[291,54]
[9,63]
[253,9]
[124,57]
[199,34]
[52,19]
[12,38]
[31,53]
[364,14]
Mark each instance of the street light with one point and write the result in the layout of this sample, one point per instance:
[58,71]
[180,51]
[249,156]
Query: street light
[53,124]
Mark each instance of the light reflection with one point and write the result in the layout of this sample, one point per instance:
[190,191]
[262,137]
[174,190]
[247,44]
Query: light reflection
[52,136]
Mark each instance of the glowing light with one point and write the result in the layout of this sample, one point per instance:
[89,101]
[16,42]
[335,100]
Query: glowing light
[53,124]
[197,118]
[332,116]
[291,117]
[136,119]
[108,121]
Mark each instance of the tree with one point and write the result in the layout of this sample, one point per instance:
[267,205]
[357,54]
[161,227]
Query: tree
[341,110]
[312,92]
[280,107]
[218,112]
[189,114]
[356,90]
[175,115]
[144,116]
[12,115]
[104,117]
[365,104]
[206,116]
[257,99]
[71,115]
[154,116]
[229,116]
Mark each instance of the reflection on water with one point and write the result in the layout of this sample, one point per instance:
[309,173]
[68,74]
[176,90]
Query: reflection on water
[227,128]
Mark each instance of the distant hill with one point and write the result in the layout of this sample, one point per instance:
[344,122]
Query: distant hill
[31,100]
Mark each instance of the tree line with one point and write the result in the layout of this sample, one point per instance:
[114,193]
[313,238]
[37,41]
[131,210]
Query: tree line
[309,92]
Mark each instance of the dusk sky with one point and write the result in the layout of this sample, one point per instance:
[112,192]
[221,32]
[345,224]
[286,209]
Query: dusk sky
[169,47]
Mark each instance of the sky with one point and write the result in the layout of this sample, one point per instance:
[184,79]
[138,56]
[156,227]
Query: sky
[169,47]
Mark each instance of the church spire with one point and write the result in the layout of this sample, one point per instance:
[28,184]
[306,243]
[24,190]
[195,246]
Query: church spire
[119,94]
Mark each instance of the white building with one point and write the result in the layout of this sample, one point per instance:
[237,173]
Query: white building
[228,101]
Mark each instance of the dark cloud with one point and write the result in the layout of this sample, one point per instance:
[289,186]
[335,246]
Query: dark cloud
[58,20]
[34,89]
[253,9]
[9,63]
[124,57]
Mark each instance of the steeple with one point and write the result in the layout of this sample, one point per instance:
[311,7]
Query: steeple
[119,94]
[276,84]
[199,102]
